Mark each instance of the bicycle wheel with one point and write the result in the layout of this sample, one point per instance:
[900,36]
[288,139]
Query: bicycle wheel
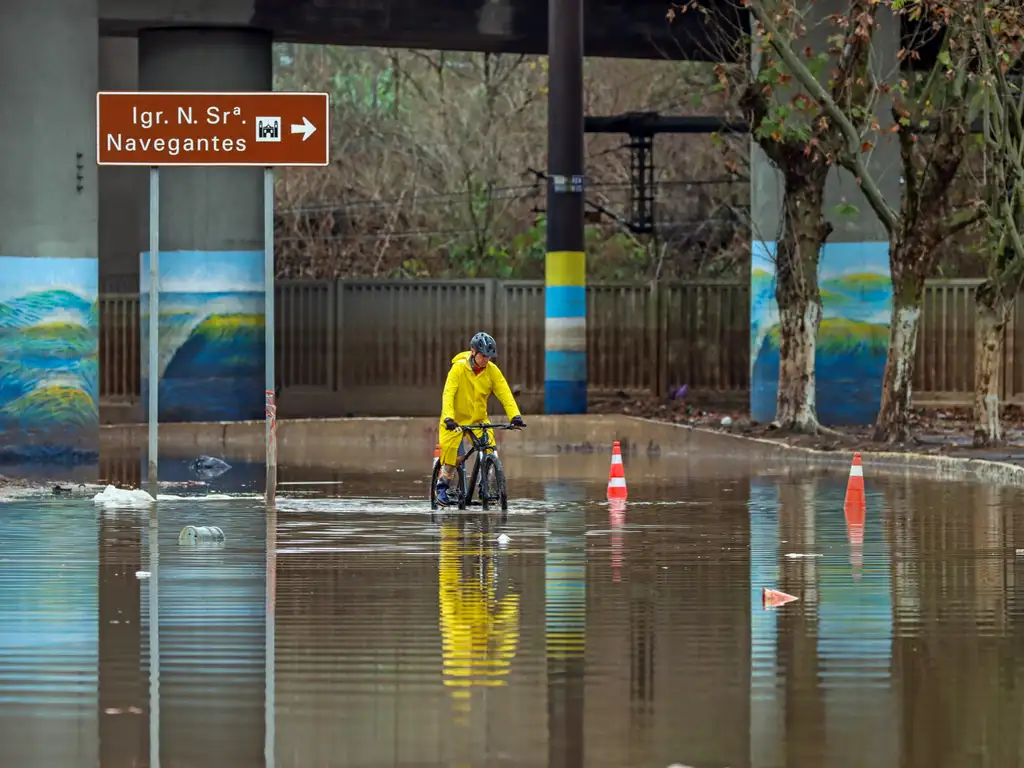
[433,487]
[492,483]
[461,490]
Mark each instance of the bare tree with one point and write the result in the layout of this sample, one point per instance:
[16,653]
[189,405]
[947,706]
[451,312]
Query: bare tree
[802,140]
[998,30]
[922,221]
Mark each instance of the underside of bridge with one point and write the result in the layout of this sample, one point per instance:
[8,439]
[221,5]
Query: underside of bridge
[638,29]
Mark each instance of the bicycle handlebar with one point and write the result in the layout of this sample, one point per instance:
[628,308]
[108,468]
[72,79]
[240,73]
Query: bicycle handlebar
[489,426]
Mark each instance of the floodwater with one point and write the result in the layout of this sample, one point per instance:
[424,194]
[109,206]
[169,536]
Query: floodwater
[348,628]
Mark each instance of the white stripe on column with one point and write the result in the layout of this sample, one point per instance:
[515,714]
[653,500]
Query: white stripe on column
[565,334]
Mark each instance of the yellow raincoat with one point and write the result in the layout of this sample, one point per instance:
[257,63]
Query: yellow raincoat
[465,400]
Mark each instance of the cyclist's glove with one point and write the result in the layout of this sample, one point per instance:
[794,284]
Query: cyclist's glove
[450,425]
[517,421]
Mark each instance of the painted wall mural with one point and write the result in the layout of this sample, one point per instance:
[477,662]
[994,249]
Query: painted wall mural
[856,296]
[211,343]
[49,362]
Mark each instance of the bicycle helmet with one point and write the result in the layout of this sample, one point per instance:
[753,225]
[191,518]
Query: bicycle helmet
[484,344]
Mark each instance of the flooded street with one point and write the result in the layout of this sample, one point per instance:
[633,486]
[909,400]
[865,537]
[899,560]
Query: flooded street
[349,628]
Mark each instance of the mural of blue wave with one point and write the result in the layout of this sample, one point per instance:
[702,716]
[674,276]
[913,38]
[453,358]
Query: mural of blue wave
[856,295]
[211,347]
[49,366]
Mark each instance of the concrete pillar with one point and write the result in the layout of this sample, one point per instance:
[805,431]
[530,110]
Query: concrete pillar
[211,240]
[853,273]
[120,187]
[565,301]
[49,319]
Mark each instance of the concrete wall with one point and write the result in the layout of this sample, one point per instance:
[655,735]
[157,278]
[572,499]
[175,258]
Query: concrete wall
[581,444]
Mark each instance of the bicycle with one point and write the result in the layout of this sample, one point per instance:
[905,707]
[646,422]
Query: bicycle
[488,475]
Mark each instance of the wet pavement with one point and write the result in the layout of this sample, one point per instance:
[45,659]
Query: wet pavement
[348,628]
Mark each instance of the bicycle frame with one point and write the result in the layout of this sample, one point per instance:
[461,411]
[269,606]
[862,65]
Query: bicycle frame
[481,446]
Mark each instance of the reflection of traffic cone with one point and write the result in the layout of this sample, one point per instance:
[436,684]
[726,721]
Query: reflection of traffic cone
[855,535]
[616,477]
[617,516]
[437,455]
[773,598]
[855,505]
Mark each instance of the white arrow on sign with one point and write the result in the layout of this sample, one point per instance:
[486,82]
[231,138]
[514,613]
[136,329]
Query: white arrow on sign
[307,129]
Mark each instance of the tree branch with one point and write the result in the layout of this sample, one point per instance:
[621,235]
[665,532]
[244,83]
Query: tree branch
[965,219]
[851,159]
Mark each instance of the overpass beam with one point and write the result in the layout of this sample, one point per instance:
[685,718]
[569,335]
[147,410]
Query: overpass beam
[565,303]
[211,236]
[49,371]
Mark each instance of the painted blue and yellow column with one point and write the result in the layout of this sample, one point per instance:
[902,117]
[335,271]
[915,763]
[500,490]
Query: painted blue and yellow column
[212,304]
[565,301]
[565,333]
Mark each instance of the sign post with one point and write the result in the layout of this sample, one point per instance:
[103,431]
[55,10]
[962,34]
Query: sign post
[213,128]
[154,319]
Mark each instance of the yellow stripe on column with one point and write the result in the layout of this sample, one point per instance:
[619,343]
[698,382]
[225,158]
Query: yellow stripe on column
[565,268]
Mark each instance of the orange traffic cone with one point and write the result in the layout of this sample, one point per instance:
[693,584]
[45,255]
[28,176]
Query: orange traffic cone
[773,598]
[855,505]
[437,455]
[616,477]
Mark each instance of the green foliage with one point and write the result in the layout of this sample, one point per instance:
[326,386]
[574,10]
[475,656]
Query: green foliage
[846,210]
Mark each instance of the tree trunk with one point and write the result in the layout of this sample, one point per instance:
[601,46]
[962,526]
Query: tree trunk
[893,422]
[993,312]
[798,249]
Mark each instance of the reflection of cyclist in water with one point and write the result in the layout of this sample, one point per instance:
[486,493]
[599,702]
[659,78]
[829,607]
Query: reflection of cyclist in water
[479,612]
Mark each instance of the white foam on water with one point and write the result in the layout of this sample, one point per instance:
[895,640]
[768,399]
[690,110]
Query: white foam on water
[136,498]
[208,497]
[121,498]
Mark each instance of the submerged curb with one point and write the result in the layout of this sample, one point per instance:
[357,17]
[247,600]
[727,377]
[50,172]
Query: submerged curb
[890,462]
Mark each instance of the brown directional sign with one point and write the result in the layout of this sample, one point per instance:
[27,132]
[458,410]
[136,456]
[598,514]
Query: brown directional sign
[159,128]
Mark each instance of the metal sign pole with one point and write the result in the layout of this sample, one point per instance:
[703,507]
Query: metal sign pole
[154,319]
[268,293]
[154,639]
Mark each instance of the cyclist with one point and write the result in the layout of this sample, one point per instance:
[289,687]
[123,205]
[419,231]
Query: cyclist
[471,380]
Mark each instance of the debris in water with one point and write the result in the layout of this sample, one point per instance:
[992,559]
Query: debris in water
[207,467]
[803,554]
[773,598]
[200,534]
[503,540]
[122,498]
[142,574]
